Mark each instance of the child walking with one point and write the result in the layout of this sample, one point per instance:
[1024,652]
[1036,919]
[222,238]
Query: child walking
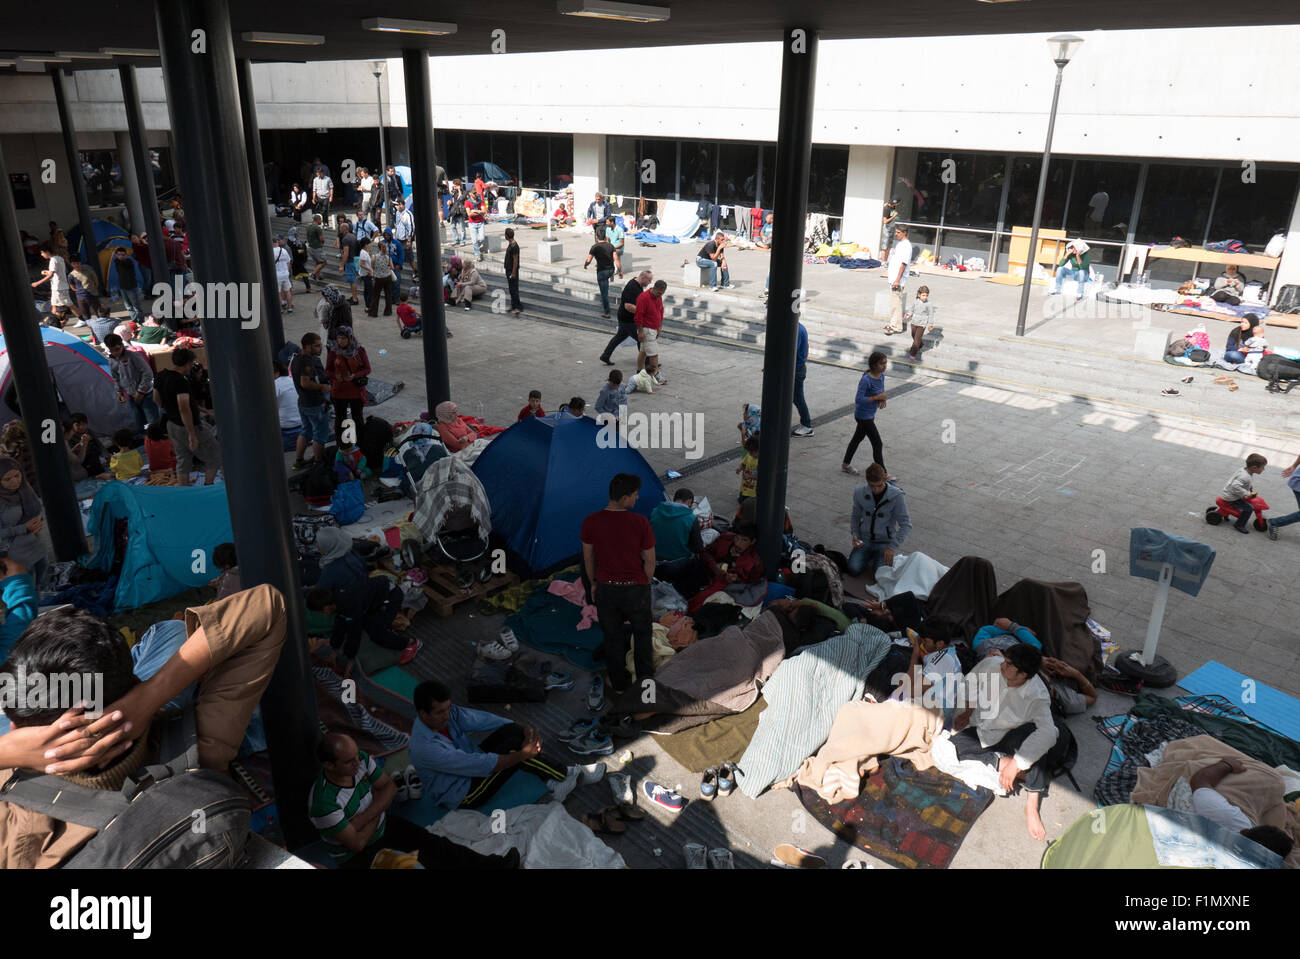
[921,316]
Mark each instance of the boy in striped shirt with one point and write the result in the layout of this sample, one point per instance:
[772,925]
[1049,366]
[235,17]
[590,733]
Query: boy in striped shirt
[349,807]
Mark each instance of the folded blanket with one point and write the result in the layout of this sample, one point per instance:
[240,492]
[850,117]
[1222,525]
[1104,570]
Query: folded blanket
[863,731]
[803,698]
[914,573]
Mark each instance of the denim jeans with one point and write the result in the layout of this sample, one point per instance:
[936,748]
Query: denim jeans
[1234,356]
[478,231]
[602,280]
[867,556]
[146,411]
[1290,518]
[800,404]
[1063,274]
[134,304]
[459,230]
[704,263]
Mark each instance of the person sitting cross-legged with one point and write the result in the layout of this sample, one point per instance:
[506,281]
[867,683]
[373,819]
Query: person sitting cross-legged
[462,774]
[349,806]
[1012,729]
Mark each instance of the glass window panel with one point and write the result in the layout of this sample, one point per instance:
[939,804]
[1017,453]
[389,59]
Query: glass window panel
[769,175]
[1101,199]
[479,147]
[561,160]
[505,154]
[537,162]
[453,160]
[1175,202]
[975,189]
[737,173]
[621,166]
[828,173]
[918,186]
[1024,191]
[696,181]
[658,178]
[1253,212]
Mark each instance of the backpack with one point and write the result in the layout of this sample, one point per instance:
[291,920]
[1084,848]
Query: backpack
[305,528]
[185,818]
[348,503]
[1288,301]
[319,484]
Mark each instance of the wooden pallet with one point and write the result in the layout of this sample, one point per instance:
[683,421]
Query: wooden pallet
[445,595]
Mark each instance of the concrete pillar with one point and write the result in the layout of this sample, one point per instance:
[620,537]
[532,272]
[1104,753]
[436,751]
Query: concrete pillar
[122,141]
[588,170]
[866,190]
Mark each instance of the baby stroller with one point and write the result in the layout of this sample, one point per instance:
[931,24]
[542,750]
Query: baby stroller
[453,514]
[414,450]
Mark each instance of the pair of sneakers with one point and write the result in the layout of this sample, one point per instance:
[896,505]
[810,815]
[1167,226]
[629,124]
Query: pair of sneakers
[698,857]
[503,647]
[408,783]
[718,781]
[575,776]
[587,737]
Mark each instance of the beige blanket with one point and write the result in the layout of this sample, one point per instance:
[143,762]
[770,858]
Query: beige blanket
[863,731]
[1257,792]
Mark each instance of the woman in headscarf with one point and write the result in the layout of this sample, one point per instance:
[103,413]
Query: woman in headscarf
[456,435]
[332,311]
[14,443]
[348,368]
[20,519]
[469,282]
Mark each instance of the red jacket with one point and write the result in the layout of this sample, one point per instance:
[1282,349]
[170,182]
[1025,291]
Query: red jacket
[341,370]
[650,311]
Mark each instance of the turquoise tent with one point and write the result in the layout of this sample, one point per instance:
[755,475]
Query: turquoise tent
[171,532]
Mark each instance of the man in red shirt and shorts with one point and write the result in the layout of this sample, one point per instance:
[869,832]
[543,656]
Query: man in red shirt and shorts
[649,322]
[618,555]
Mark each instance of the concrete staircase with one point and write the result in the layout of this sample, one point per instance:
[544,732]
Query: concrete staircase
[569,296]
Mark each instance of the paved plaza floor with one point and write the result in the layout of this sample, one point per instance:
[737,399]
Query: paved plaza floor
[1036,474]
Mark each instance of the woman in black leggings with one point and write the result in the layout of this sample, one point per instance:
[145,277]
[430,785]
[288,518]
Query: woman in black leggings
[871,397]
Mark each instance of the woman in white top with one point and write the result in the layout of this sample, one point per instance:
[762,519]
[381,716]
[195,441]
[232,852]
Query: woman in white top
[366,272]
[366,184]
[298,199]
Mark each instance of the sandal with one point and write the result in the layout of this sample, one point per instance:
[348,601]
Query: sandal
[605,821]
[851,470]
[1233,387]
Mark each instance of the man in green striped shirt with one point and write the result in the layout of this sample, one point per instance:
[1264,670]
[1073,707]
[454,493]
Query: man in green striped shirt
[349,807]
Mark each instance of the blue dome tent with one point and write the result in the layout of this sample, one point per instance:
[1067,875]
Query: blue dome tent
[107,237]
[82,378]
[167,528]
[543,476]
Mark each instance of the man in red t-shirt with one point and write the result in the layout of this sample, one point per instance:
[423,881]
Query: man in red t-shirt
[618,555]
[649,321]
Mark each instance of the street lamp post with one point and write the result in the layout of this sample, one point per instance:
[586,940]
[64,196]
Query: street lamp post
[1062,47]
[377,68]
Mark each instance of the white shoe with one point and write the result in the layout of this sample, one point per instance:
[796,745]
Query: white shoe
[620,784]
[508,640]
[560,790]
[494,650]
[590,774]
[414,785]
[403,790]
[802,431]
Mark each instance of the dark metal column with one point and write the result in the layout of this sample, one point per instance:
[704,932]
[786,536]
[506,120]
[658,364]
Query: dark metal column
[74,174]
[419,128]
[35,389]
[144,176]
[785,299]
[261,215]
[203,97]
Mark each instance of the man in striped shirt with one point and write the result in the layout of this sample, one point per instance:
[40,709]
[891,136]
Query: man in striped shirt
[349,806]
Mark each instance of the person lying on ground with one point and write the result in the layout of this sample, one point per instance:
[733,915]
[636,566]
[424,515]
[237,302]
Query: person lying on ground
[1003,634]
[462,774]
[349,806]
[935,670]
[1012,730]
[1071,691]
[230,650]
